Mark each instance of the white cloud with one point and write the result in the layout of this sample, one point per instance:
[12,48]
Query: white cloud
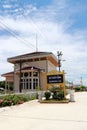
[7,6]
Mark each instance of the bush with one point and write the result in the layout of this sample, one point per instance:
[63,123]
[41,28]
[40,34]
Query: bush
[55,96]
[47,95]
[58,93]
[83,88]
[54,89]
[13,100]
[77,89]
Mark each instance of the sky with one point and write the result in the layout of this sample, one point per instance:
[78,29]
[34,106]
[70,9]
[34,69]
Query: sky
[60,25]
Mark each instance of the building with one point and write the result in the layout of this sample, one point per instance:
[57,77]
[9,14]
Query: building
[9,80]
[30,70]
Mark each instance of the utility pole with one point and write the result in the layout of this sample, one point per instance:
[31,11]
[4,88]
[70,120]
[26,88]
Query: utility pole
[81,82]
[20,77]
[59,54]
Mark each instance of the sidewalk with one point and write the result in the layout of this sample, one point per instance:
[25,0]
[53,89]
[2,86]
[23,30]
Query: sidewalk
[35,116]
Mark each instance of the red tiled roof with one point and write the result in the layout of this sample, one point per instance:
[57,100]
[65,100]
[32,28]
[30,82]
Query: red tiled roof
[9,73]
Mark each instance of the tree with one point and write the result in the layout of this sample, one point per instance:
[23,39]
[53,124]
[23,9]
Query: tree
[2,84]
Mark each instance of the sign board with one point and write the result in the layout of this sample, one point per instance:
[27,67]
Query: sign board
[53,79]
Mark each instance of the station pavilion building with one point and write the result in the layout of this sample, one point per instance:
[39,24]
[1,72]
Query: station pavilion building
[30,70]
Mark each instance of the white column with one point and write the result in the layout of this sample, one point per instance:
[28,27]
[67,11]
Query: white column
[5,86]
[72,96]
[32,80]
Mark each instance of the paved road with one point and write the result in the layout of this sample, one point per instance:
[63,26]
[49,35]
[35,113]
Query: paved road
[35,116]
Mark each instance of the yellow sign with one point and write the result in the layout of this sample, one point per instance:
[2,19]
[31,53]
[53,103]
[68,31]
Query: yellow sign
[56,78]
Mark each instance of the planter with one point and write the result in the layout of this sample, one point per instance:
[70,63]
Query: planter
[40,94]
[55,101]
[72,96]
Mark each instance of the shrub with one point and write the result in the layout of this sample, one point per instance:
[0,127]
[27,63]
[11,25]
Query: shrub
[83,88]
[1,101]
[6,103]
[77,89]
[47,95]
[55,96]
[58,93]
[54,89]
[13,99]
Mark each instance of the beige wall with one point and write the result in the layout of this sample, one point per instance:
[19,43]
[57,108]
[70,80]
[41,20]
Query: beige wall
[38,64]
[43,80]
[51,66]
[44,64]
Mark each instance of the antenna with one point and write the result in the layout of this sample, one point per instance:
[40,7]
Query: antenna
[81,82]
[36,44]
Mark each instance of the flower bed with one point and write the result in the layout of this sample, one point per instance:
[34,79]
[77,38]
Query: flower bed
[14,99]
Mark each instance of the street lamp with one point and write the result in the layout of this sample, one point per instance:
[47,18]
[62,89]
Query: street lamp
[59,54]
[20,64]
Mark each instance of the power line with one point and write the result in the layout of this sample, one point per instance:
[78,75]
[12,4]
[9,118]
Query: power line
[5,26]
[21,39]
[35,26]
[33,23]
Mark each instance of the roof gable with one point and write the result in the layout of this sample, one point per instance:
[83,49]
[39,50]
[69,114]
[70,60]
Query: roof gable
[34,56]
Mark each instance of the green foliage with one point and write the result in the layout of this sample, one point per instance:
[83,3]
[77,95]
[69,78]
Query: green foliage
[47,95]
[55,89]
[2,84]
[58,93]
[39,88]
[80,88]
[13,100]
[11,86]
[77,89]
[2,91]
[83,88]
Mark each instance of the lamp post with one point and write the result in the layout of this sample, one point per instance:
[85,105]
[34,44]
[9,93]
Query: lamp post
[20,63]
[59,54]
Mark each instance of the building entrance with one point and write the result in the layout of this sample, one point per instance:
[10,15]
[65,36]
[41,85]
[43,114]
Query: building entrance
[29,80]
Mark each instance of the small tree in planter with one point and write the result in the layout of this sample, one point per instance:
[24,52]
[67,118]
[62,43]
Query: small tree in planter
[58,93]
[47,95]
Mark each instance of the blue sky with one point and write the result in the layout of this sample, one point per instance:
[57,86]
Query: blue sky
[61,25]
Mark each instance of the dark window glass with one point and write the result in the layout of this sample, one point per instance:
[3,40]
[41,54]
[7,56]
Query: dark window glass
[35,73]
[21,80]
[35,83]
[27,83]
[25,74]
